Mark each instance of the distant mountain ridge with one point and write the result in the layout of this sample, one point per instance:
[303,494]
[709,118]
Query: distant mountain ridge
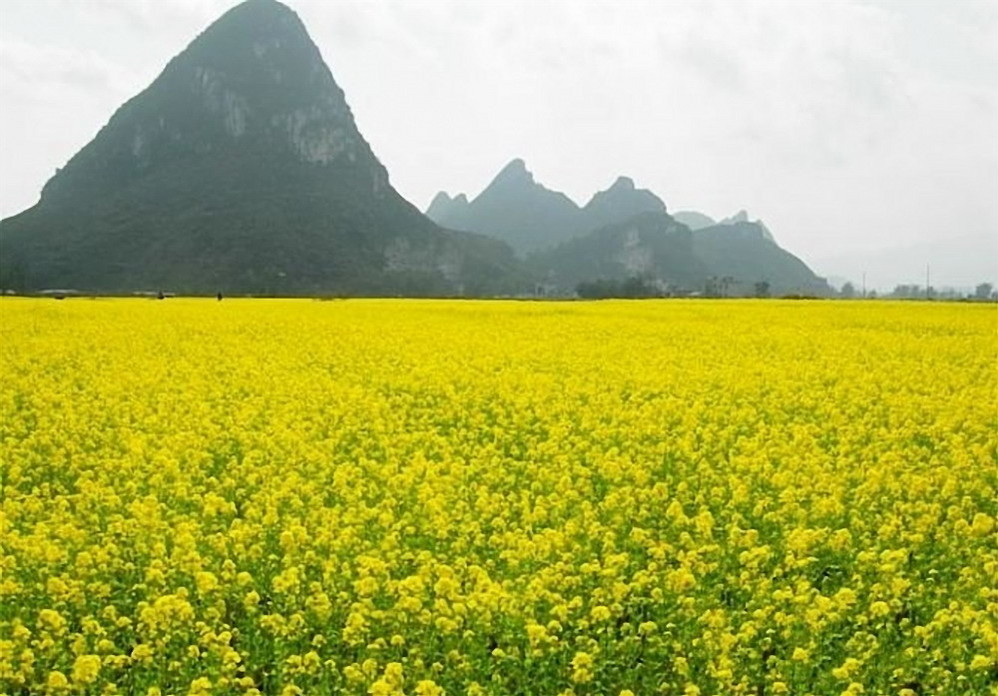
[518,210]
[742,217]
[725,259]
[513,208]
[625,232]
[241,169]
[649,245]
[693,219]
[744,253]
[619,202]
[443,206]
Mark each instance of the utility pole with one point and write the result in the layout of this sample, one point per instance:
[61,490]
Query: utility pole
[927,282]
[864,285]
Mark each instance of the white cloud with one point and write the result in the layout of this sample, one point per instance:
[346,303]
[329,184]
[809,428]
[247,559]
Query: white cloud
[42,71]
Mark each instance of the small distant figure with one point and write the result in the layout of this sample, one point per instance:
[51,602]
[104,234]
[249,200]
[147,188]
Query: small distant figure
[219,296]
[159,295]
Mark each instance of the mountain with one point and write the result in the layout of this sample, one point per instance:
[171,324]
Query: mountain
[515,209]
[443,206]
[742,217]
[727,259]
[623,233]
[693,219]
[530,217]
[745,253]
[650,245]
[241,169]
[619,202]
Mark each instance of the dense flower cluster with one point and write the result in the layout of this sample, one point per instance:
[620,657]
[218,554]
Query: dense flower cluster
[418,497]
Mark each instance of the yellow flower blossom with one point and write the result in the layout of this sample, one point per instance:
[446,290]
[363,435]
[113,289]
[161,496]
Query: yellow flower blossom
[85,669]
[56,682]
[428,687]
[582,668]
[681,496]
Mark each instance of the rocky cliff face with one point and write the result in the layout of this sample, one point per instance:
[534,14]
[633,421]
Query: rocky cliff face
[650,245]
[252,81]
[239,168]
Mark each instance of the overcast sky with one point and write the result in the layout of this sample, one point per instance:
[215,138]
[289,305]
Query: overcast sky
[848,126]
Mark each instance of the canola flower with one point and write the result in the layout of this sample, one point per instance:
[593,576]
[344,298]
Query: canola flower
[428,497]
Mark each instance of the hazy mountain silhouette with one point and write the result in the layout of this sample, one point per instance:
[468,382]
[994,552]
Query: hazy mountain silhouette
[745,253]
[742,216]
[625,232]
[619,202]
[655,247]
[650,245]
[530,217]
[693,219]
[513,208]
[443,206]
[240,168]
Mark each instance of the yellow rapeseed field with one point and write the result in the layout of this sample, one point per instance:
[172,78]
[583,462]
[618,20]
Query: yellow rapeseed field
[431,497]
